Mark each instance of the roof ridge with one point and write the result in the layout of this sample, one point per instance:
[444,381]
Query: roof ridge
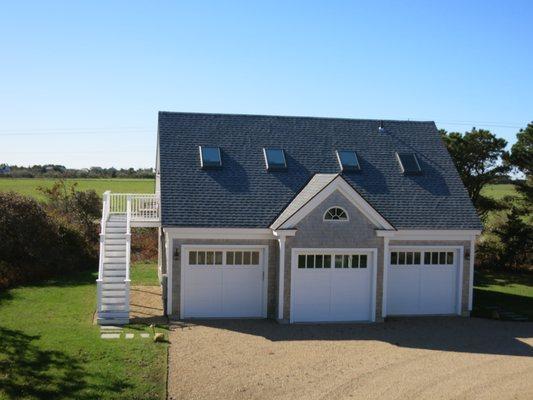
[296,116]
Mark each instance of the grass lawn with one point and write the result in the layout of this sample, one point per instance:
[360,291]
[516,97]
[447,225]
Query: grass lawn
[50,349]
[144,273]
[498,192]
[507,291]
[28,186]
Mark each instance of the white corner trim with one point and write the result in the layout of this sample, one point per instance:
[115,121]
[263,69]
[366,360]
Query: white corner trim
[385,277]
[460,280]
[374,284]
[219,233]
[168,253]
[281,280]
[471,273]
[338,184]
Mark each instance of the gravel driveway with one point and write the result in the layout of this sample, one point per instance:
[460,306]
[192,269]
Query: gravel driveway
[419,358]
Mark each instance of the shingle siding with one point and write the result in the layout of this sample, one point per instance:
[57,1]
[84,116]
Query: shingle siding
[243,194]
[314,232]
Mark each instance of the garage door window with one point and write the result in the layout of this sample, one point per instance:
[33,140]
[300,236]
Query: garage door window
[313,261]
[405,258]
[438,258]
[399,258]
[351,260]
[242,258]
[205,257]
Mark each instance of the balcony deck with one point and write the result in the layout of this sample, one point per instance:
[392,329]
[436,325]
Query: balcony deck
[145,208]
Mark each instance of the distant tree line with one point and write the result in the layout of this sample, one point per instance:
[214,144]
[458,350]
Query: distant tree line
[60,171]
[481,159]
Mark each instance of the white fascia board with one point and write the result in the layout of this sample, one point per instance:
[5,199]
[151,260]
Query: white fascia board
[429,234]
[284,232]
[338,184]
[220,233]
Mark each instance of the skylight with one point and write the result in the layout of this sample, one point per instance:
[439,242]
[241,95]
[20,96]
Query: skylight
[210,157]
[275,159]
[409,163]
[348,160]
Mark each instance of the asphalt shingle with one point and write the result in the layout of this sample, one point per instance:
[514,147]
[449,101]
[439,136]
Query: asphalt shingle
[243,194]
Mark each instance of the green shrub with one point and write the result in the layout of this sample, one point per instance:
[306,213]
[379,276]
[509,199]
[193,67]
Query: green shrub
[36,245]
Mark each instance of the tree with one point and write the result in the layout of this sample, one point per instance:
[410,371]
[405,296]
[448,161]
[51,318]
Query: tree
[521,158]
[517,239]
[478,155]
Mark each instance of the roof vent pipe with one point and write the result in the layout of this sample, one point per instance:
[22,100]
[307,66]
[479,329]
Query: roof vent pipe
[381,128]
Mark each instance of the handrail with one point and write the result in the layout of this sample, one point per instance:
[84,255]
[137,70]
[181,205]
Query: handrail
[128,237]
[105,214]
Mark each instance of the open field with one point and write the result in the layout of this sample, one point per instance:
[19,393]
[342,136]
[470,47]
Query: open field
[49,348]
[498,192]
[28,186]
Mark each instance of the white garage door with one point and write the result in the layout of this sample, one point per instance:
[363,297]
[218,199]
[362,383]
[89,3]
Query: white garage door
[223,283]
[422,282]
[331,285]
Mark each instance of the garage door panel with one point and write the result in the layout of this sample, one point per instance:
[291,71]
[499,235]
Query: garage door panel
[239,292]
[437,292]
[403,288]
[219,290]
[424,289]
[311,295]
[331,294]
[203,292]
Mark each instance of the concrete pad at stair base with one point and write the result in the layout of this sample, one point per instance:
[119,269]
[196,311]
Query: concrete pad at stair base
[110,335]
[129,335]
[145,335]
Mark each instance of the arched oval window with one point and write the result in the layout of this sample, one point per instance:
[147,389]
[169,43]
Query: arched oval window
[335,214]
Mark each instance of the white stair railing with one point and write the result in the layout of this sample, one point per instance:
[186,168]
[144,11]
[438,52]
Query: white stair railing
[105,216]
[128,249]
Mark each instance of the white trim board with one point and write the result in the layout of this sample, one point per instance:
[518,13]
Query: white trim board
[340,185]
[429,234]
[220,233]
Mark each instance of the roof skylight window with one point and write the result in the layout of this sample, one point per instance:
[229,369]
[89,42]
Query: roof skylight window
[210,157]
[275,159]
[348,160]
[409,163]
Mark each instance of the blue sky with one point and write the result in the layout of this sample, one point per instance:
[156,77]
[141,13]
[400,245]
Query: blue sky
[81,82]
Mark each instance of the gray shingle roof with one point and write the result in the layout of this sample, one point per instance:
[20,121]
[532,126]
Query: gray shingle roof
[243,194]
[313,187]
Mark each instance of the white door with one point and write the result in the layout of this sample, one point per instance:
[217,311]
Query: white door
[422,282]
[223,283]
[330,286]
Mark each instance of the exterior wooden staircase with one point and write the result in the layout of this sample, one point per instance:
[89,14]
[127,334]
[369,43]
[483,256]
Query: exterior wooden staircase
[120,212]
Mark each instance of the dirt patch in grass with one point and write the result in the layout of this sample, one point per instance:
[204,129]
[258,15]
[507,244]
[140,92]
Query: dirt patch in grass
[146,305]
